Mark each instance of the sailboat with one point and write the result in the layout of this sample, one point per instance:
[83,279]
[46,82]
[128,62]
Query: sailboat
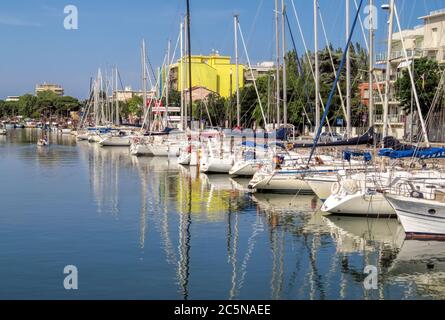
[420,209]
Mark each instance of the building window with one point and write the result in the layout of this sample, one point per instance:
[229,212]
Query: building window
[435,37]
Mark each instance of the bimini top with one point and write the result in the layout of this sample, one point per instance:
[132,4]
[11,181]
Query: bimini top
[420,153]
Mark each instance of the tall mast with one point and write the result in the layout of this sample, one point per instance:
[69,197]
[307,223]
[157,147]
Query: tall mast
[144,84]
[238,106]
[116,101]
[181,81]
[371,64]
[317,69]
[388,69]
[185,74]
[167,83]
[189,45]
[283,46]
[348,75]
[277,48]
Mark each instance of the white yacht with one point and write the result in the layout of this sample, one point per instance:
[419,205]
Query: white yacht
[420,207]
[359,194]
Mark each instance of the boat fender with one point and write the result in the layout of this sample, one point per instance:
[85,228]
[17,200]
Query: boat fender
[335,188]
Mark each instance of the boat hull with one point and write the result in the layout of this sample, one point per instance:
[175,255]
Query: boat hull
[321,187]
[420,218]
[358,204]
[212,165]
[246,169]
[140,150]
[281,184]
[115,142]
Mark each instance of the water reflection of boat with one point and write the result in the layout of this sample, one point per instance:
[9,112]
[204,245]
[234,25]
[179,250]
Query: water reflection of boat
[241,184]
[421,263]
[285,202]
[355,234]
[217,181]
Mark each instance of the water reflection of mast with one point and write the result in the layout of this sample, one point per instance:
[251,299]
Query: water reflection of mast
[171,258]
[233,256]
[184,240]
[277,279]
[143,216]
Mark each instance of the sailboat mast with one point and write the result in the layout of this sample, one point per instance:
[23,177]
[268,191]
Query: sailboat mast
[167,83]
[189,45]
[277,48]
[115,97]
[371,64]
[388,70]
[181,32]
[238,107]
[283,45]
[144,84]
[348,74]
[317,69]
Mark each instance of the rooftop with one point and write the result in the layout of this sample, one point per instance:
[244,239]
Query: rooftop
[435,13]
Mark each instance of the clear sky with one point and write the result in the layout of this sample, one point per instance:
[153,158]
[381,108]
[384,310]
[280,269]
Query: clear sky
[35,47]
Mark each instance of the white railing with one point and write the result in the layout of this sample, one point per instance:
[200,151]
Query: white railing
[416,53]
[392,118]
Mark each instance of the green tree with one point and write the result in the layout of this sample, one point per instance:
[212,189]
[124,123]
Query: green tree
[27,105]
[426,77]
[134,106]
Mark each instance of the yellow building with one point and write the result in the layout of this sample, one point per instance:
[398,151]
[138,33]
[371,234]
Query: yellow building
[214,72]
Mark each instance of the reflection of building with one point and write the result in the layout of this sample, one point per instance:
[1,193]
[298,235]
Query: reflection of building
[214,72]
[57,89]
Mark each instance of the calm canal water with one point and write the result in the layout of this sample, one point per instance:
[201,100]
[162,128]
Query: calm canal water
[144,228]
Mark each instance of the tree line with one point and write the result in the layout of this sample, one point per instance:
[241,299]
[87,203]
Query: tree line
[45,104]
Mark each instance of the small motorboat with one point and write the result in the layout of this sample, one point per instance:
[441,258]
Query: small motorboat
[42,142]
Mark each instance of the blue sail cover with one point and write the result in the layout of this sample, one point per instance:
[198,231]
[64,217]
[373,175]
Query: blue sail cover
[348,154]
[429,153]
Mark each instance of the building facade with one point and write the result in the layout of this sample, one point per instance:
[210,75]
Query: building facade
[214,72]
[426,40]
[57,89]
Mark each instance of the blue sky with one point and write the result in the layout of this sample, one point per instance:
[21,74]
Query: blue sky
[34,46]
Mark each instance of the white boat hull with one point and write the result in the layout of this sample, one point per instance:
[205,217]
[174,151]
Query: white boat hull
[184,158]
[419,217]
[164,150]
[246,169]
[321,187]
[213,165]
[281,183]
[115,142]
[140,150]
[358,204]
[94,138]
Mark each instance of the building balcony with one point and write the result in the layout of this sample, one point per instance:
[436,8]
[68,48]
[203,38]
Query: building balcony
[399,55]
[392,118]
